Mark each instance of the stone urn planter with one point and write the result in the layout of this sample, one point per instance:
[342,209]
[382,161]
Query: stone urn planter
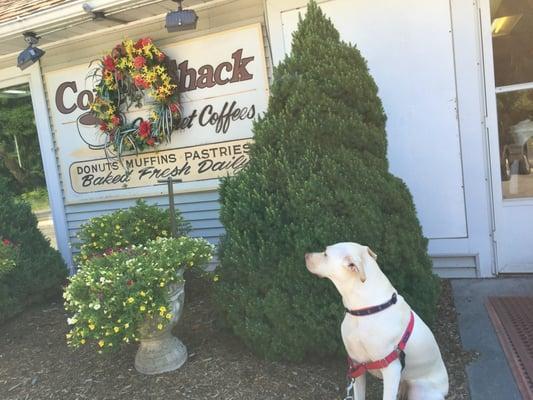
[159,350]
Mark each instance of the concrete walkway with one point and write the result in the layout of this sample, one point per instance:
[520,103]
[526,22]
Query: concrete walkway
[46,226]
[489,376]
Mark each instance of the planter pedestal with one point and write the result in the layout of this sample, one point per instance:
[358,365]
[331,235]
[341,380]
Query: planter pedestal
[160,351]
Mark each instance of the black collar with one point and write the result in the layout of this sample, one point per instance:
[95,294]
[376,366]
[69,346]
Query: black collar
[373,309]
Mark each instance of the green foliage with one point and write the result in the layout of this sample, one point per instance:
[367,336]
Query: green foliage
[123,228]
[318,175]
[17,127]
[39,271]
[8,255]
[111,296]
[38,198]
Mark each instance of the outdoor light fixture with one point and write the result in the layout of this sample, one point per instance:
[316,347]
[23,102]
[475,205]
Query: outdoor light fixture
[181,20]
[30,54]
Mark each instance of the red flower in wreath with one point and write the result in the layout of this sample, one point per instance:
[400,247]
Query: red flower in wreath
[145,129]
[6,242]
[139,62]
[140,82]
[103,127]
[150,142]
[115,120]
[174,107]
[109,63]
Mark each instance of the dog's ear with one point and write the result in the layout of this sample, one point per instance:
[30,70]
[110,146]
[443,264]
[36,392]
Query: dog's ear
[371,253]
[356,266]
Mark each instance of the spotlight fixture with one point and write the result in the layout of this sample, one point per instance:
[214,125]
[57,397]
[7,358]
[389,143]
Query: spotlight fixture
[30,54]
[181,20]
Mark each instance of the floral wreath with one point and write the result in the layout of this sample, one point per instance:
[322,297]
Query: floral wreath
[124,76]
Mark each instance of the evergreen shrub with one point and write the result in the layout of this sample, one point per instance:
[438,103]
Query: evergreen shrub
[38,271]
[318,175]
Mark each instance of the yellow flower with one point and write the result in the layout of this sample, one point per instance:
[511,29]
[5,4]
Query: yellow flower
[126,325]
[215,278]
[160,326]
[168,316]
[117,227]
[69,335]
[142,293]
[131,300]
[162,284]
[91,327]
[162,309]
[142,307]
[101,343]
[116,329]
[82,341]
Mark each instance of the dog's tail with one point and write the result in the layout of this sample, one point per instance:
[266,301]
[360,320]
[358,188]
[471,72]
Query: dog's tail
[403,390]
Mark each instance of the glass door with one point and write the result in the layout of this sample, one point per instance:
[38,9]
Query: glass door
[512,40]
[512,44]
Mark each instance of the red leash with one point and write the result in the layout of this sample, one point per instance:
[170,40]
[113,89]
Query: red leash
[355,370]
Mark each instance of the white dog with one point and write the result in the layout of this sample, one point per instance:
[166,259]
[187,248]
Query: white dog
[377,321]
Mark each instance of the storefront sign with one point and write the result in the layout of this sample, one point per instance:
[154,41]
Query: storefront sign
[224,87]
[188,164]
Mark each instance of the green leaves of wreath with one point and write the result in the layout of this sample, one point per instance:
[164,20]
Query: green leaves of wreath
[124,76]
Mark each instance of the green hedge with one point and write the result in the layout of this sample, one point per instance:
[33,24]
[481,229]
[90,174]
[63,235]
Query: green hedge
[39,271]
[318,175]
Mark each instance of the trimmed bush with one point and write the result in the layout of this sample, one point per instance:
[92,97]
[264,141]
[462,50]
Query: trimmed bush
[123,228]
[318,175]
[39,270]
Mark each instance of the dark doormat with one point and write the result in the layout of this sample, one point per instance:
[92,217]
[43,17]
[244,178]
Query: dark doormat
[512,318]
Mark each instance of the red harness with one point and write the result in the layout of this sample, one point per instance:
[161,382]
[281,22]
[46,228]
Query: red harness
[355,370]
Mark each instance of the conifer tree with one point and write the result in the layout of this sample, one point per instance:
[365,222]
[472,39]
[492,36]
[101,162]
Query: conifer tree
[318,175]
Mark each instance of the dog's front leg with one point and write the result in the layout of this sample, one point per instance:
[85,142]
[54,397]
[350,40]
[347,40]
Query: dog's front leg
[391,380]
[360,387]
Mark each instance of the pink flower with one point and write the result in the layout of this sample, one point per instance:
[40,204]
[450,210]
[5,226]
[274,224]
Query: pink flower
[103,127]
[109,63]
[6,242]
[174,107]
[139,62]
[145,129]
[150,142]
[140,82]
[115,120]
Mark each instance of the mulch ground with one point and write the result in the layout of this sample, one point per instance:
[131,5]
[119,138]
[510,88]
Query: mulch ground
[35,363]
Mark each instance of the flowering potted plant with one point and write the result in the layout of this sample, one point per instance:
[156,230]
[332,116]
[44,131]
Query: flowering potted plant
[135,294]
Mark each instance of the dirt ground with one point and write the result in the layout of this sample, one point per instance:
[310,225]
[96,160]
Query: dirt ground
[35,363]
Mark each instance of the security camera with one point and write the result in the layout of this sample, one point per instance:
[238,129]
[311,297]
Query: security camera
[181,20]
